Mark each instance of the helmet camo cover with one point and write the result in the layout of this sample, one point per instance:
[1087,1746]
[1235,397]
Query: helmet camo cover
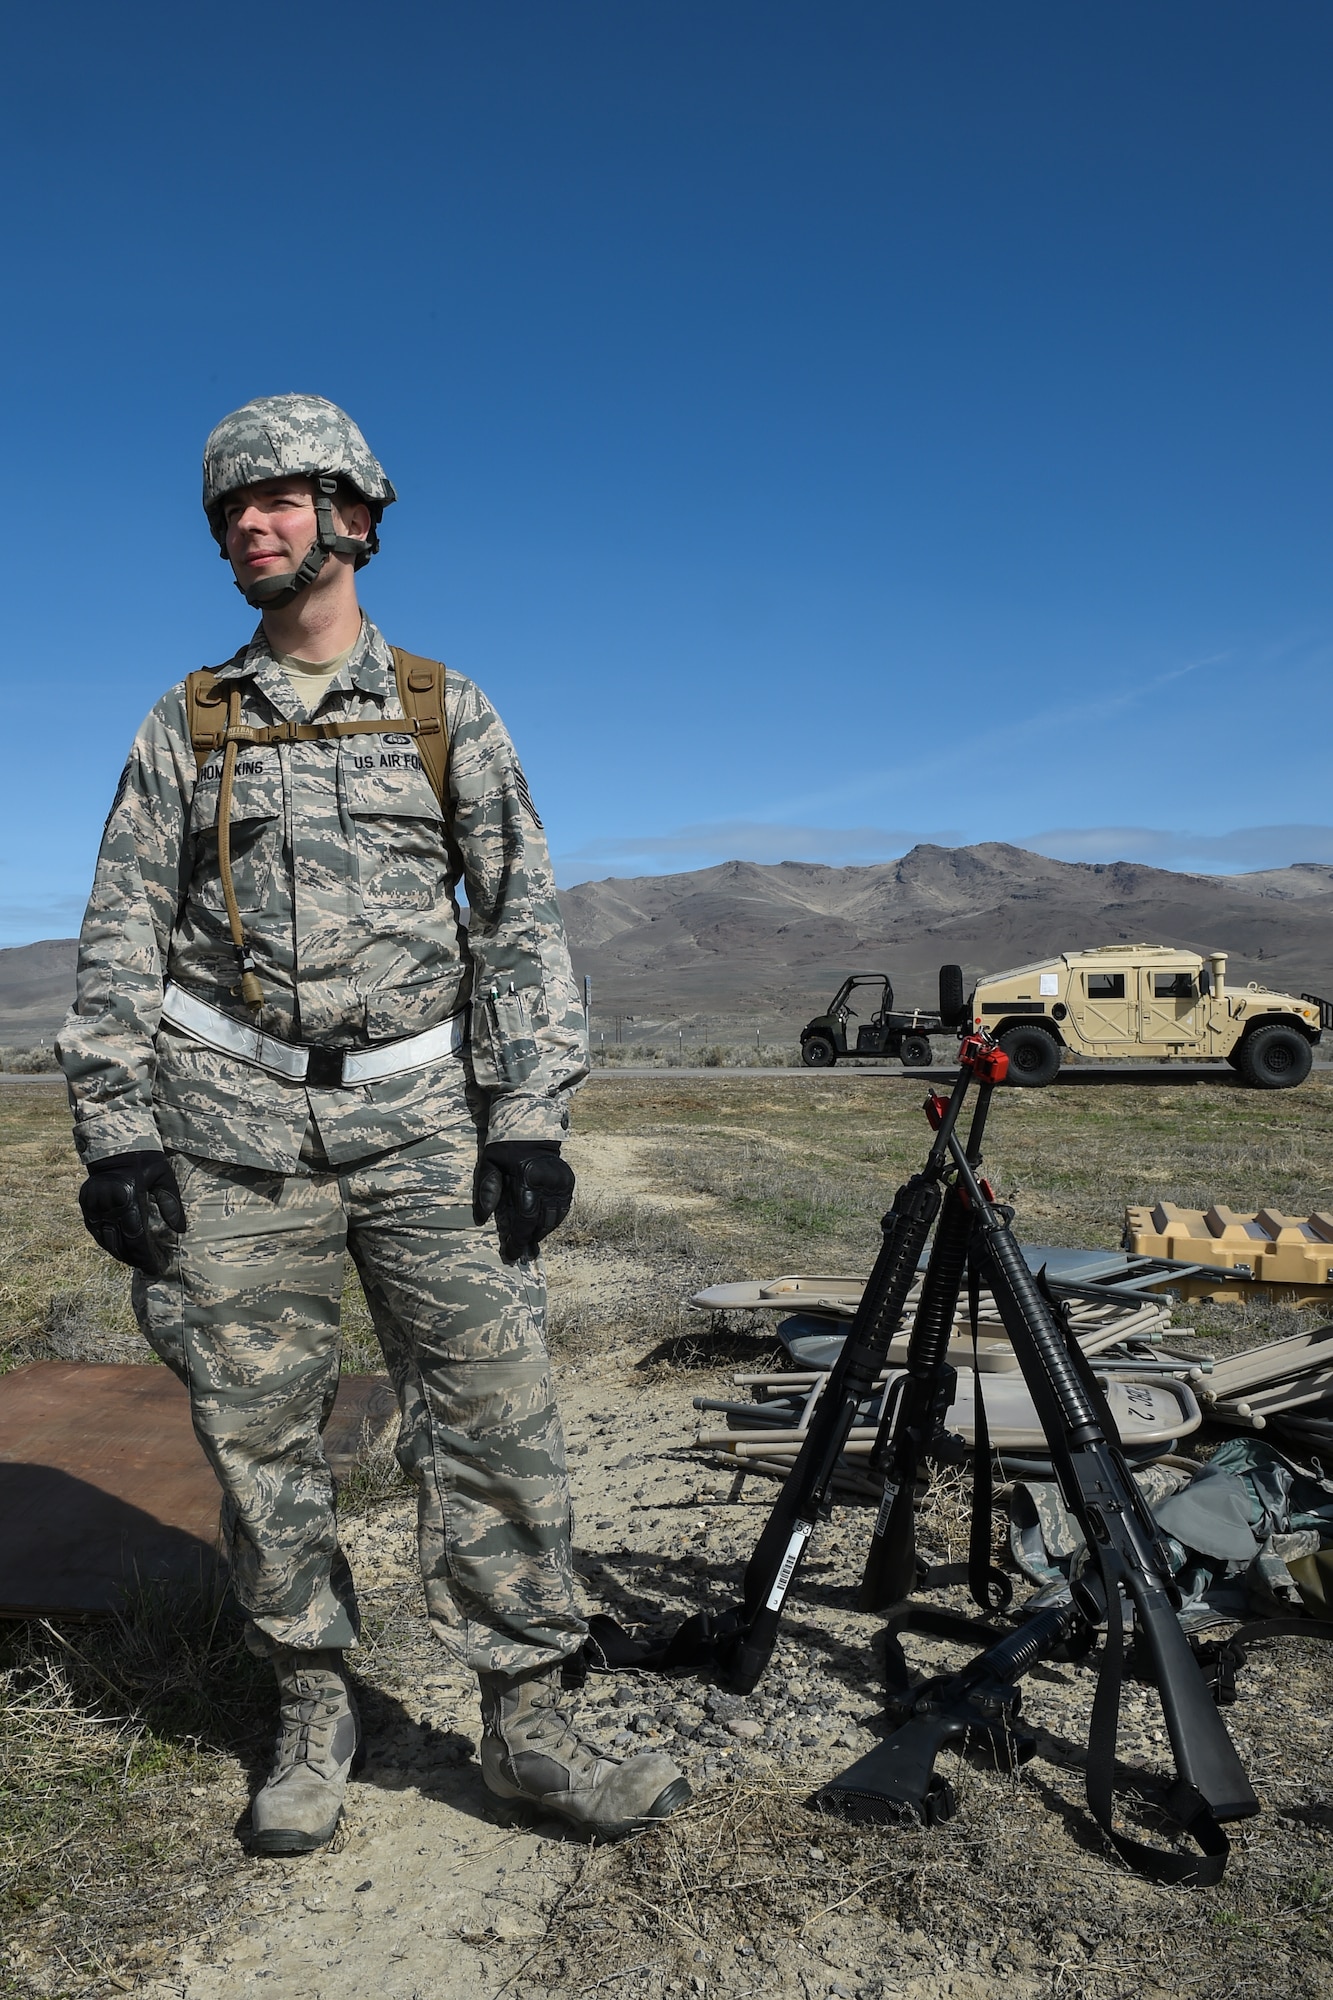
[281,437]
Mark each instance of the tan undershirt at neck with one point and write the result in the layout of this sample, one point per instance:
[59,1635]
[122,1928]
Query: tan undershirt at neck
[312,678]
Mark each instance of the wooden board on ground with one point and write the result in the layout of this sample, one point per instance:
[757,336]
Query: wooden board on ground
[103,1485]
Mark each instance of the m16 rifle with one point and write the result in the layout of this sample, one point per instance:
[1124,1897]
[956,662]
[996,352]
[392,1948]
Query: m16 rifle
[738,1643]
[979,1706]
[1126,1547]
[913,1418]
[1127,1551]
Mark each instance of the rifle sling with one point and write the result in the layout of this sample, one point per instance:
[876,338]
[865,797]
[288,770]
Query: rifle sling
[1183,1802]
[990,1588]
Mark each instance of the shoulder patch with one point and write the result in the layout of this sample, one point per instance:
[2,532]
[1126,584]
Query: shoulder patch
[521,787]
[122,786]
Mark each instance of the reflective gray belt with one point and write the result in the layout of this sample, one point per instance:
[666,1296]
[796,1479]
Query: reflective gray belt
[304,1062]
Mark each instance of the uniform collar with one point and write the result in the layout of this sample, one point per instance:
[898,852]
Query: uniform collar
[368,669]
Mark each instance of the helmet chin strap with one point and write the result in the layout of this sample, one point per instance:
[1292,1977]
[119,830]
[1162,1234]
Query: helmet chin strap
[271,593]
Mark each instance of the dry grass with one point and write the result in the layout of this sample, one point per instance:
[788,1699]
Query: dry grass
[1079,1154]
[622,1240]
[360,1349]
[749,1889]
[798,1174]
[116,1741]
[669,1053]
[60,1297]
[376,1478]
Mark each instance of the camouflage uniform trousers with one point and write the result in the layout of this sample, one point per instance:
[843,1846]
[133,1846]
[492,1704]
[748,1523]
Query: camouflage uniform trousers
[248,1317]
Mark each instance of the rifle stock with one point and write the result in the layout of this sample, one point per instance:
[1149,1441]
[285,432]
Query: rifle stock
[979,1703]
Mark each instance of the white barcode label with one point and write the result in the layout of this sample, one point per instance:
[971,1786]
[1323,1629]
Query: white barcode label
[800,1535]
[885,1506]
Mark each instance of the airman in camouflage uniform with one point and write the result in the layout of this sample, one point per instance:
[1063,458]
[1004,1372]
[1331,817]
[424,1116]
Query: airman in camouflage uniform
[284,1047]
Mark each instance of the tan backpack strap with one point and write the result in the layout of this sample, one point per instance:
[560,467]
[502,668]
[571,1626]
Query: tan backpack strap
[204,713]
[216,736]
[421,692]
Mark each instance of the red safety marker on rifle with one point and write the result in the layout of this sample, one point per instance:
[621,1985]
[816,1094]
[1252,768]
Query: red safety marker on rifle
[979,1055]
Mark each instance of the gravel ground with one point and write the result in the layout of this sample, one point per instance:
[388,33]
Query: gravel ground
[433,1889]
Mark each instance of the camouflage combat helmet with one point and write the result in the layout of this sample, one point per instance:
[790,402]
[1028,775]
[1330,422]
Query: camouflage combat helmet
[277,437]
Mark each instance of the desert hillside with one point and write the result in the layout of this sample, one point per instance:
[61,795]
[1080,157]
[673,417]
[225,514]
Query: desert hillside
[745,945]
[36,987]
[746,941]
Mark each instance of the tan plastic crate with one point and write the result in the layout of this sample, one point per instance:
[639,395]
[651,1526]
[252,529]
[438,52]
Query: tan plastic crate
[1278,1249]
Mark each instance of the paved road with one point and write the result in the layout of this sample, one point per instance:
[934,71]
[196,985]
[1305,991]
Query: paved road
[892,1072]
[1072,1073]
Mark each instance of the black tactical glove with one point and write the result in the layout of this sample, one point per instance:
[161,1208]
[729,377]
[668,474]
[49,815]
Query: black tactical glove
[527,1187]
[115,1200]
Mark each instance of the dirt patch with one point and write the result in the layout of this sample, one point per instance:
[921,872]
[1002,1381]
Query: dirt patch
[613,1168]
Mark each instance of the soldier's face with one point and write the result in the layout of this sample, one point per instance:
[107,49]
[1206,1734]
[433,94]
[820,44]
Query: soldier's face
[271,527]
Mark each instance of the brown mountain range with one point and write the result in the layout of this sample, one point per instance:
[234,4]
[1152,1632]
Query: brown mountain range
[723,951]
[746,945]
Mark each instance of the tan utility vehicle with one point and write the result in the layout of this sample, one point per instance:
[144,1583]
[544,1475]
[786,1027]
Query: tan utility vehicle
[1140,1001]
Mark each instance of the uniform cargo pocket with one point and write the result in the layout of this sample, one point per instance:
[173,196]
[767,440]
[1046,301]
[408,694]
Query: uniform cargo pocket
[401,861]
[502,1039]
[401,856]
[256,831]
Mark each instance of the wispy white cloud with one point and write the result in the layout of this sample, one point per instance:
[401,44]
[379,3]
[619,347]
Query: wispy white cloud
[997,738]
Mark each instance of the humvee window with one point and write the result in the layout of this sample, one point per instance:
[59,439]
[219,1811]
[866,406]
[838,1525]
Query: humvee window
[1105,985]
[1173,986]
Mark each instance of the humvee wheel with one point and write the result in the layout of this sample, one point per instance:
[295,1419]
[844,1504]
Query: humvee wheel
[915,1052]
[818,1052]
[1034,1056]
[1274,1057]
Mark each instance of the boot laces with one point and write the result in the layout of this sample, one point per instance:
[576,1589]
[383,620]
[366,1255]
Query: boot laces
[305,1734]
[549,1728]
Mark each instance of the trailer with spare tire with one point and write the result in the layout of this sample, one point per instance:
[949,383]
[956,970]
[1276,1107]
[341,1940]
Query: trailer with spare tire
[1137,1002]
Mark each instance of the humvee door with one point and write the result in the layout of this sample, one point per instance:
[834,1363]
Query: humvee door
[1104,1007]
[1169,1008]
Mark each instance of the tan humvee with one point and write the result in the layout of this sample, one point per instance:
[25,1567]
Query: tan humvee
[1140,1001]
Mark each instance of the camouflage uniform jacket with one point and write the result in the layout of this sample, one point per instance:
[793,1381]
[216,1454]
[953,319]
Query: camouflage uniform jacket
[345,872]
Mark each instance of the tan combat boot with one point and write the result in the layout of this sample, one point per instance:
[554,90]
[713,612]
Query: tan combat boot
[529,1751]
[318,1740]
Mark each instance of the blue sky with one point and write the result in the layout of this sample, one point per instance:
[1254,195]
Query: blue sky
[818,428]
